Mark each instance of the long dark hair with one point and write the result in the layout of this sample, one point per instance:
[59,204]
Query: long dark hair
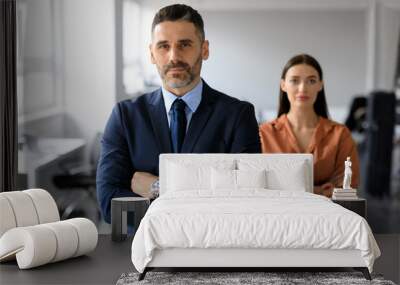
[320,106]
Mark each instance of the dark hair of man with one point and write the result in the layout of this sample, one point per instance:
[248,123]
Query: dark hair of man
[320,106]
[180,12]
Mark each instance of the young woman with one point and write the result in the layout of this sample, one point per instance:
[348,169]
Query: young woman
[303,126]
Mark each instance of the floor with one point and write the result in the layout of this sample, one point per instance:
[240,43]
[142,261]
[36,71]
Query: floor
[111,259]
[383,214]
[389,262]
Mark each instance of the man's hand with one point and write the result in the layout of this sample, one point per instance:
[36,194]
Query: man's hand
[141,183]
[325,189]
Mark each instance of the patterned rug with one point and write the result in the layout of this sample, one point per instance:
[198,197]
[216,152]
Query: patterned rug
[229,278]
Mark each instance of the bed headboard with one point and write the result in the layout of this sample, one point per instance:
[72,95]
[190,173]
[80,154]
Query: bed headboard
[269,159]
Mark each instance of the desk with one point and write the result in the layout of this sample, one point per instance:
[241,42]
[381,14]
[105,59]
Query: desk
[102,266]
[47,152]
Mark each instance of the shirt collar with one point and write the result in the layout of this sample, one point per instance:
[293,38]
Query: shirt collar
[323,127]
[192,98]
[324,124]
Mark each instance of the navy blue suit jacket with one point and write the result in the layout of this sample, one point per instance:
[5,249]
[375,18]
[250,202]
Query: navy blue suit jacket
[137,133]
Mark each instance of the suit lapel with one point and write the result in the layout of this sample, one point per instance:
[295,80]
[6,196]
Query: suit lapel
[199,119]
[159,121]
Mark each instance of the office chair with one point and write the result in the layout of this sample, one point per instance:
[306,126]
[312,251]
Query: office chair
[356,120]
[82,179]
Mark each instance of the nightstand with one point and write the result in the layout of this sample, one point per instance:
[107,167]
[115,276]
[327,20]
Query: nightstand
[358,206]
[119,208]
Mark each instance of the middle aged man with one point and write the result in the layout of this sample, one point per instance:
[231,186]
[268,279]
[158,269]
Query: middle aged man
[184,116]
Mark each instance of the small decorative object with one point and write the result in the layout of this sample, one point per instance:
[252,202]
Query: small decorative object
[346,192]
[347,174]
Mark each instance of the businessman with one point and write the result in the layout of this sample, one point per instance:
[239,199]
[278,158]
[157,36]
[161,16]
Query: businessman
[184,116]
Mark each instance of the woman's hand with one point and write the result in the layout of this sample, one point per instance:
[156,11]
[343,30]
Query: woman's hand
[325,189]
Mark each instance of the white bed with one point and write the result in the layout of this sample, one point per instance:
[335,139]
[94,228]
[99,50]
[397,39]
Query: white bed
[228,216]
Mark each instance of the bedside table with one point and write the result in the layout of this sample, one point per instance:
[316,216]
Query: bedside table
[119,208]
[358,206]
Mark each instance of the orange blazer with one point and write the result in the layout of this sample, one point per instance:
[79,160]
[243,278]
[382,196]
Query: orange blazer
[330,145]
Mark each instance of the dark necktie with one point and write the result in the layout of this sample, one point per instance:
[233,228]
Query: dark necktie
[178,124]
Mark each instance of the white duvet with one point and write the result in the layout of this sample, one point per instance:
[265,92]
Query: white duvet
[250,219]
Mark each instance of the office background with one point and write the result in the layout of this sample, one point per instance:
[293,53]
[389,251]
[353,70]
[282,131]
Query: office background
[76,59]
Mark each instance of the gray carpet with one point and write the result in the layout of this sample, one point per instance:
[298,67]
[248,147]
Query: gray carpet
[228,278]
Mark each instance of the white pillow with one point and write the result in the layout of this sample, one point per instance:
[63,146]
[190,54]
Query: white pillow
[236,179]
[251,178]
[185,175]
[182,177]
[223,179]
[280,174]
[281,180]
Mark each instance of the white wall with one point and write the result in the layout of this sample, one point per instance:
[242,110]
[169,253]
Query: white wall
[89,60]
[249,49]
[38,88]
[388,35]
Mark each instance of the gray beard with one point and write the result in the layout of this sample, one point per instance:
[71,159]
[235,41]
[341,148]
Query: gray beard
[180,83]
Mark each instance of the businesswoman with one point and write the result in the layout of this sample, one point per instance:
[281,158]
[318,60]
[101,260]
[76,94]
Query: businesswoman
[303,126]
